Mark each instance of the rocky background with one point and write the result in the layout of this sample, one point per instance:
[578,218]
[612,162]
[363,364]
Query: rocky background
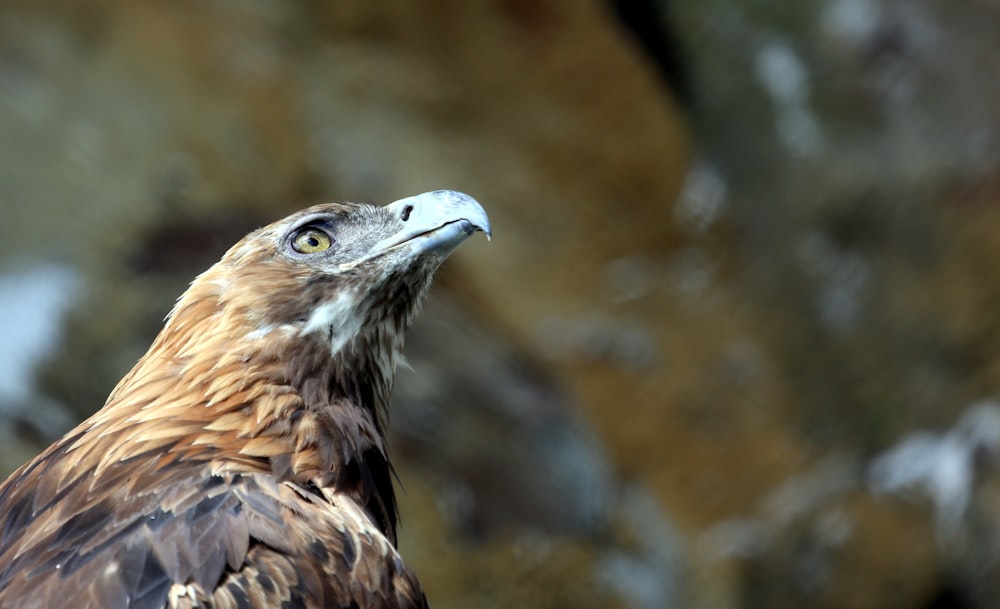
[735,341]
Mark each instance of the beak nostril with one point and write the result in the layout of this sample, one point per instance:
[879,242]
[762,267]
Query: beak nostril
[406,213]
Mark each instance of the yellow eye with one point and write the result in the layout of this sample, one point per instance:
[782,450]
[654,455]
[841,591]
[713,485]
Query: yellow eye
[311,240]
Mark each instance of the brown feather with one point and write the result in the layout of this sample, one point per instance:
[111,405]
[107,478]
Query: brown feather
[242,463]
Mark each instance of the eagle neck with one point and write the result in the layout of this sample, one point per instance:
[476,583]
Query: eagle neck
[341,446]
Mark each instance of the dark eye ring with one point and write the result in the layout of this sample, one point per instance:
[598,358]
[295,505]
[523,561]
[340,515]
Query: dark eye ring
[311,240]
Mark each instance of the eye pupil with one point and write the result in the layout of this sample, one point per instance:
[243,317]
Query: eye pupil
[311,241]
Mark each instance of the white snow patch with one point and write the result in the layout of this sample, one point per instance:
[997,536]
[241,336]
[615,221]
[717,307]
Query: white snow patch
[703,198]
[647,577]
[786,80]
[808,498]
[852,20]
[941,466]
[32,305]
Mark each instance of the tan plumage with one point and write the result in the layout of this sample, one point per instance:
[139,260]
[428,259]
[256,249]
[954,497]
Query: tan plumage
[242,462]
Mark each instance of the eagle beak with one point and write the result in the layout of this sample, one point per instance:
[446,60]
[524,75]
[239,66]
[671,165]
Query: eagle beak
[435,222]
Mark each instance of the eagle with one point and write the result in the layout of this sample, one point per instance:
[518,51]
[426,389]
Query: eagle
[242,463]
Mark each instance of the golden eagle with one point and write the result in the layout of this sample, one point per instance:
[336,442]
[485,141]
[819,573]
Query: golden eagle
[242,462]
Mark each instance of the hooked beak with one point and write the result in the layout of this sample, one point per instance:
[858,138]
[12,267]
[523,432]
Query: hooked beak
[435,222]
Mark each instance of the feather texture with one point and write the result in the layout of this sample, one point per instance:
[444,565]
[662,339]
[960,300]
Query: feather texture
[242,462]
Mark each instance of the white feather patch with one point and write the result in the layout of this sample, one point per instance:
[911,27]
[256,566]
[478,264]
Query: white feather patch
[338,318]
[268,329]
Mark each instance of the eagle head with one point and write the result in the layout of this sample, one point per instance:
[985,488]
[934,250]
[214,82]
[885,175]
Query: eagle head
[329,290]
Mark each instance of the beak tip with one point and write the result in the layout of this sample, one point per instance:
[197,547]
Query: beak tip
[464,206]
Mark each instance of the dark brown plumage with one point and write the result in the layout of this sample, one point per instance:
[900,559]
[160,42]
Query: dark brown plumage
[242,462]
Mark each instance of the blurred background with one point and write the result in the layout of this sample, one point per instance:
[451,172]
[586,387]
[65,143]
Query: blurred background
[734,343]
